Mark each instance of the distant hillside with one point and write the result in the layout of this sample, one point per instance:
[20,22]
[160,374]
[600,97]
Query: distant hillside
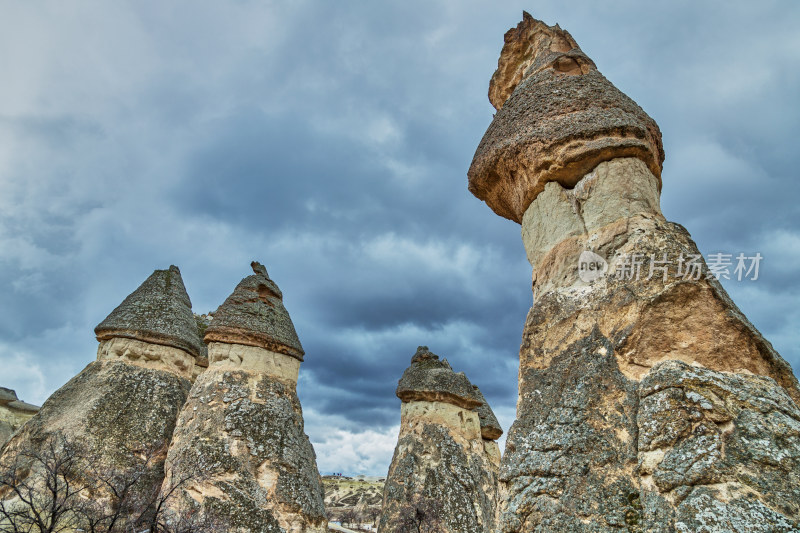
[361,494]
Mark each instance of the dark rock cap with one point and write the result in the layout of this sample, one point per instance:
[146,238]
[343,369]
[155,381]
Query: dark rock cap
[159,312]
[433,380]
[254,315]
[7,395]
[490,427]
[557,119]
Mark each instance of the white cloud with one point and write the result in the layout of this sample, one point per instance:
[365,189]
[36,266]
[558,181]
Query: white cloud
[366,452]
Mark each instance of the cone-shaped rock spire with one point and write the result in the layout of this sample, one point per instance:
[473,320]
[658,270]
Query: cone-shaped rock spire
[557,119]
[122,408]
[158,312]
[254,315]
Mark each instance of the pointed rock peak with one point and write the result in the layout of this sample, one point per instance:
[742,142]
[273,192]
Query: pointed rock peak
[433,380]
[557,119]
[254,315]
[534,44]
[158,312]
[258,268]
[490,427]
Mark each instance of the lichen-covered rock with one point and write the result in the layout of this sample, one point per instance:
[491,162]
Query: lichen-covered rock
[441,455]
[557,119]
[572,458]
[648,401]
[432,380]
[717,451]
[122,408]
[254,315]
[245,432]
[13,413]
[158,312]
[243,424]
[117,412]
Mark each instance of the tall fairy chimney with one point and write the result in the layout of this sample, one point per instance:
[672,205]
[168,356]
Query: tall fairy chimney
[242,425]
[647,400]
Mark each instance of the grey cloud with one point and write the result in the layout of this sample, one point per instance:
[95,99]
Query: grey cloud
[331,141]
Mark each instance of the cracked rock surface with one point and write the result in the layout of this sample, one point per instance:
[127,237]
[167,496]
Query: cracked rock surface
[647,400]
[242,425]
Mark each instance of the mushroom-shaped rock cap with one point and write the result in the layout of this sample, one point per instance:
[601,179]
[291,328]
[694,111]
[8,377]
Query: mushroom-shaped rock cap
[490,427]
[159,312]
[254,315]
[557,119]
[432,380]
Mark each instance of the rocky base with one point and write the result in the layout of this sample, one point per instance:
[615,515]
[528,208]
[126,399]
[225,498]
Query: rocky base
[244,430]
[643,395]
[440,455]
[120,413]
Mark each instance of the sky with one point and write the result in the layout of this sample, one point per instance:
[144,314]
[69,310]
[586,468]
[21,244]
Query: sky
[331,141]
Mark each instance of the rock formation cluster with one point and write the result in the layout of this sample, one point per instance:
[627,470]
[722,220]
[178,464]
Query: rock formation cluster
[647,401]
[446,450]
[224,420]
[13,413]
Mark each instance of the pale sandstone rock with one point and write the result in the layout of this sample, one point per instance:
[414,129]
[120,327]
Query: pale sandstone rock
[557,119]
[646,403]
[238,356]
[441,453]
[243,424]
[147,355]
[456,419]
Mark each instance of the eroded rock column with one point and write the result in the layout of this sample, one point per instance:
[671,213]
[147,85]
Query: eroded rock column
[122,408]
[446,454]
[647,401]
[243,424]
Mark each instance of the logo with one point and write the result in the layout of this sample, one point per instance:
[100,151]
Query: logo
[591,266]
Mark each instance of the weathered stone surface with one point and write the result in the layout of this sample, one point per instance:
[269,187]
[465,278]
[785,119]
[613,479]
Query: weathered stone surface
[490,427]
[717,451]
[433,380]
[119,412]
[243,423]
[557,119]
[13,413]
[122,408]
[147,355]
[573,460]
[648,402]
[158,312]
[254,315]
[244,427]
[441,455]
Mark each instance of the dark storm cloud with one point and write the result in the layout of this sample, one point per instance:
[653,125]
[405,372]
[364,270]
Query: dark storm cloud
[331,141]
